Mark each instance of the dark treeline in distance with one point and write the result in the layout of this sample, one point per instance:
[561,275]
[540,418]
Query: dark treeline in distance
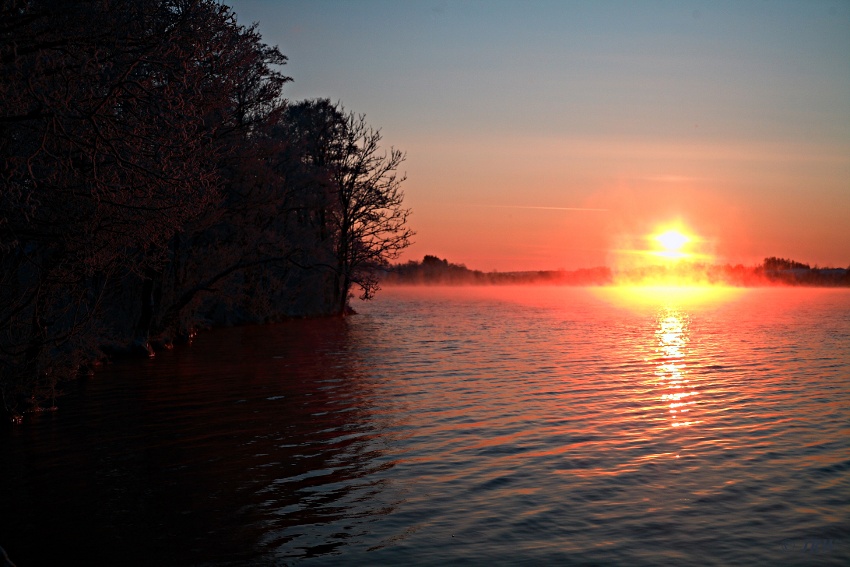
[774,271]
[155,179]
[435,271]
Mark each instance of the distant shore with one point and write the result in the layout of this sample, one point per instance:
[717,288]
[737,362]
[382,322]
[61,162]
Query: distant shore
[773,271]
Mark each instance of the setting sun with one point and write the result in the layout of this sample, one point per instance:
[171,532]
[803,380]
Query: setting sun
[671,243]
[671,255]
[672,240]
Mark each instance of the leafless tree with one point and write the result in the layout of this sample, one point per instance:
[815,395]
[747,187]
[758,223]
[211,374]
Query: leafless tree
[351,197]
[369,216]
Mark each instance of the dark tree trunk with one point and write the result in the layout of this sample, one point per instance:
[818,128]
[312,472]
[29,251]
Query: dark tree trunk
[141,342]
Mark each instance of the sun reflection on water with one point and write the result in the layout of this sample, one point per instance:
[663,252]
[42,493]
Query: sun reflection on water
[679,395]
[671,362]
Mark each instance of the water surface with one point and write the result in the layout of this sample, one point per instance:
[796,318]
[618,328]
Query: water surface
[459,425]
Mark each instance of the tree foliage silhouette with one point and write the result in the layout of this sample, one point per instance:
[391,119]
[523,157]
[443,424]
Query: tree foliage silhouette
[364,209]
[153,178]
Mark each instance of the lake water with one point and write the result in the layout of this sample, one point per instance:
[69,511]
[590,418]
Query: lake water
[537,425]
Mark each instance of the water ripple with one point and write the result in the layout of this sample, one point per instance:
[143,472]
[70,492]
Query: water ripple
[469,426]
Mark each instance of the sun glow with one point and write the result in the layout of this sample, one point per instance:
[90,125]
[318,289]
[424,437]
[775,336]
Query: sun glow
[670,264]
[664,256]
[671,242]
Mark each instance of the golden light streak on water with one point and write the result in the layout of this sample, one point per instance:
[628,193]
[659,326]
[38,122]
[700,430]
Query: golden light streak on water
[679,395]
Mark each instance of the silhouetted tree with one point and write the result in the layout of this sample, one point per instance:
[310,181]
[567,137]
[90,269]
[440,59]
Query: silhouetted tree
[212,251]
[350,205]
[369,217]
[103,156]
[117,117]
[776,264]
[153,175]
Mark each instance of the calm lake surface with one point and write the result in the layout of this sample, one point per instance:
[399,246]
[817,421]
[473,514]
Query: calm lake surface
[493,425]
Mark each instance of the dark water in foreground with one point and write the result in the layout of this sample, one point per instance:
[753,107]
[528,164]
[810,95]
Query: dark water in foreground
[473,425]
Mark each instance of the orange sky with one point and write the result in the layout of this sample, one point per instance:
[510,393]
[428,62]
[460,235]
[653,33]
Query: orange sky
[730,118]
[746,202]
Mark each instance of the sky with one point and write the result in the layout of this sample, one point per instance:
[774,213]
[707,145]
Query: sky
[559,135]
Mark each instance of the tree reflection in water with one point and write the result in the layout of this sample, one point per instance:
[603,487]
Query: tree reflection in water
[255,434]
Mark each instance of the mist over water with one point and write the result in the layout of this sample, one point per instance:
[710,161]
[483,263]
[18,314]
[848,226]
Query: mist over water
[503,425]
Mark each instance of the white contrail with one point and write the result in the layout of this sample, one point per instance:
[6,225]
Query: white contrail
[542,208]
